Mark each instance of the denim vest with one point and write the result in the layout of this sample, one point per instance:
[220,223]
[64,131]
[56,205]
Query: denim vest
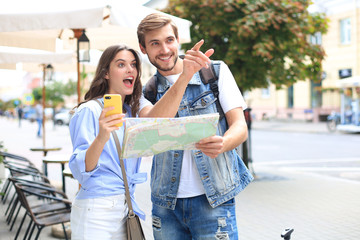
[223,177]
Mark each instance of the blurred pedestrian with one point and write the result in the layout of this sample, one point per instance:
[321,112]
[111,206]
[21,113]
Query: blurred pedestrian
[20,114]
[39,117]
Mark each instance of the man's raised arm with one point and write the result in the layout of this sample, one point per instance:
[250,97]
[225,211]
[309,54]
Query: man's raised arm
[168,105]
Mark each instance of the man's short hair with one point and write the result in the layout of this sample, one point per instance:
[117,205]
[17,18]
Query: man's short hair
[152,22]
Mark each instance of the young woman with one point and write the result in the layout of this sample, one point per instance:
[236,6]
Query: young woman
[99,210]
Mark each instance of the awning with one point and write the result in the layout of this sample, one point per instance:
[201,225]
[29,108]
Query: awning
[10,55]
[349,82]
[38,23]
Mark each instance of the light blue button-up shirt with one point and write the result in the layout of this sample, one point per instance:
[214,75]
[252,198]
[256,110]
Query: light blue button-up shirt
[106,179]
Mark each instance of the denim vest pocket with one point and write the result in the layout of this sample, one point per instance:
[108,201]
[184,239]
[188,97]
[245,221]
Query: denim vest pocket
[203,104]
[224,172]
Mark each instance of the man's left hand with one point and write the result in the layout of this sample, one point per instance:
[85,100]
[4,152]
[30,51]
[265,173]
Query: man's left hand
[211,146]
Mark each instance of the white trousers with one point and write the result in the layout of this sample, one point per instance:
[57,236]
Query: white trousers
[99,218]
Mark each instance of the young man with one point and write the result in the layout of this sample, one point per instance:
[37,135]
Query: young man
[193,191]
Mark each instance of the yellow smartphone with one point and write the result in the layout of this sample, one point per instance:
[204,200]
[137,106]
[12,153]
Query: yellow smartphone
[113,100]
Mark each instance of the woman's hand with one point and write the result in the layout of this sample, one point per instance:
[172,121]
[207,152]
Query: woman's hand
[108,124]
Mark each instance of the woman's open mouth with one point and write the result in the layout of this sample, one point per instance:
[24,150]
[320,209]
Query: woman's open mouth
[129,82]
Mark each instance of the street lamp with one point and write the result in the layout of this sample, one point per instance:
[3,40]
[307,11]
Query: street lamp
[48,72]
[83,53]
[83,48]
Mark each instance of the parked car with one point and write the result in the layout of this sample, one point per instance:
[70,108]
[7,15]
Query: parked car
[62,117]
[29,113]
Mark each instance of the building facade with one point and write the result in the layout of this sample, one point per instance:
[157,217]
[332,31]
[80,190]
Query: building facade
[310,101]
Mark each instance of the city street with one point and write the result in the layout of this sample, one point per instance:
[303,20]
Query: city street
[331,154]
[305,178]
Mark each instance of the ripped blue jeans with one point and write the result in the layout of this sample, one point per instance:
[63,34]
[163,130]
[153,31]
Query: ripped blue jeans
[194,219]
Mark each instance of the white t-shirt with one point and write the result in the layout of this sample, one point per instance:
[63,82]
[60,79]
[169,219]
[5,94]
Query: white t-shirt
[144,102]
[230,97]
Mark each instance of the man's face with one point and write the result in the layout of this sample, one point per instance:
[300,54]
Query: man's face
[162,49]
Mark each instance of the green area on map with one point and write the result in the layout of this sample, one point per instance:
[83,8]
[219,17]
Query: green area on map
[153,136]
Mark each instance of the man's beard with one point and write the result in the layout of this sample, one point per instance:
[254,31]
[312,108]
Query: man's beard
[153,62]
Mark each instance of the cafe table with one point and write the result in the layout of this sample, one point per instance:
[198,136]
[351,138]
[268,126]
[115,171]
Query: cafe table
[45,150]
[60,159]
[67,173]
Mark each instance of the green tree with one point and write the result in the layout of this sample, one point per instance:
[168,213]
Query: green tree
[262,41]
[7,105]
[55,92]
[70,88]
[37,93]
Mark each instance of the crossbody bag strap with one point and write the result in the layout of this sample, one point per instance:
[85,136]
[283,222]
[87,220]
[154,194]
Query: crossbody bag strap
[122,166]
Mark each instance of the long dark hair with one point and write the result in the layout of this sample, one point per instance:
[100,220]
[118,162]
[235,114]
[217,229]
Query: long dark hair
[100,85]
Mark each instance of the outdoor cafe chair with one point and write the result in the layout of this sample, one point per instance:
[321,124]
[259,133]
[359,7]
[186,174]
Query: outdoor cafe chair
[41,208]
[24,165]
[16,162]
[46,217]
[15,171]
[19,158]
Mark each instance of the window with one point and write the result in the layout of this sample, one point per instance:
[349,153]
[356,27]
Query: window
[345,31]
[316,95]
[265,92]
[345,73]
[316,38]
[290,101]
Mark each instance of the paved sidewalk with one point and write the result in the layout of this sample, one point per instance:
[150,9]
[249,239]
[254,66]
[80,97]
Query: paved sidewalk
[317,207]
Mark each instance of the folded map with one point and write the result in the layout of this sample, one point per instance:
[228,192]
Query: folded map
[150,136]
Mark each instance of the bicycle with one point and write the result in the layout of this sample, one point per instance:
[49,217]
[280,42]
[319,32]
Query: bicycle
[286,234]
[332,121]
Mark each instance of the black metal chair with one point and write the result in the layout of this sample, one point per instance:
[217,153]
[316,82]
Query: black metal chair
[26,174]
[42,214]
[7,155]
[21,166]
[20,169]
[37,209]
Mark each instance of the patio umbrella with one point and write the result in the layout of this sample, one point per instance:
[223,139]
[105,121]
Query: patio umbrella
[15,55]
[10,55]
[7,53]
[38,23]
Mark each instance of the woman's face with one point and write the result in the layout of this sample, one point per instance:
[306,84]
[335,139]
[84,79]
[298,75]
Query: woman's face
[122,74]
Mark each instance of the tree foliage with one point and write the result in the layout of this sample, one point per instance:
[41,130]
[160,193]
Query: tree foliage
[55,92]
[260,40]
